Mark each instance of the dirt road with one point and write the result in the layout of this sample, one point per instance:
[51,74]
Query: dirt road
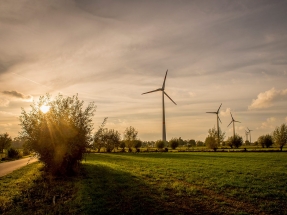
[8,167]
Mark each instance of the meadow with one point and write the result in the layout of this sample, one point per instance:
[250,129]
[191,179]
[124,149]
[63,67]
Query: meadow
[154,183]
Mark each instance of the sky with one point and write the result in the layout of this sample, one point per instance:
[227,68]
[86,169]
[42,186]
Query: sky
[110,52]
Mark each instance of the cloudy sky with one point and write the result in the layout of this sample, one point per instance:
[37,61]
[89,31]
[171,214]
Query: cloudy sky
[110,52]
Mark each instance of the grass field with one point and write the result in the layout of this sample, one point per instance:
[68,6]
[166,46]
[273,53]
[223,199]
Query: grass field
[154,183]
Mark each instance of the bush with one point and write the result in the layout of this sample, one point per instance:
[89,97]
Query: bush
[13,153]
[60,136]
[173,143]
[265,141]
[160,144]
[235,141]
[280,136]
[210,142]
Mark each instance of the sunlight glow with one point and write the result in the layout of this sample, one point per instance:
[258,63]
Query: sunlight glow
[45,108]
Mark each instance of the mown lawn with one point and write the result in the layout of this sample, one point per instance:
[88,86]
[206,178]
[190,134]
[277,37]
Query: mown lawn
[154,183]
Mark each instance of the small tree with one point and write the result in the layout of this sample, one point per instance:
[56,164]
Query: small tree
[211,143]
[13,153]
[280,136]
[60,136]
[98,141]
[130,135]
[5,141]
[191,143]
[199,143]
[160,144]
[122,145]
[173,143]
[213,133]
[110,139]
[137,144]
[235,141]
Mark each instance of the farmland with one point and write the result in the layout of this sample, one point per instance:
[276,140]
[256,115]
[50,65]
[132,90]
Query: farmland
[154,183]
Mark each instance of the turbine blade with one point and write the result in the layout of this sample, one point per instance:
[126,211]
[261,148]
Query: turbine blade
[231,116]
[211,112]
[219,108]
[153,91]
[219,119]
[163,85]
[169,98]
[236,121]
[230,123]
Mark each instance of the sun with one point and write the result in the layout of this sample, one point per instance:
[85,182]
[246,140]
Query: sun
[45,108]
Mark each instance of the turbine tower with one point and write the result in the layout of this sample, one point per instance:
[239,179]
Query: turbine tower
[218,119]
[163,110]
[249,131]
[246,133]
[233,121]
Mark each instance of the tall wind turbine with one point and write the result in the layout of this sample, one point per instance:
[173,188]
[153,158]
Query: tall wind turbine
[249,131]
[233,121]
[163,110]
[218,119]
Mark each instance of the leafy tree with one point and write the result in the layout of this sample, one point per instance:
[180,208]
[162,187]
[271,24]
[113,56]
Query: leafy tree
[247,143]
[199,143]
[160,144]
[61,135]
[13,153]
[130,135]
[137,144]
[191,143]
[174,143]
[265,140]
[213,133]
[98,142]
[280,136]
[211,143]
[122,145]
[5,141]
[235,141]
[110,138]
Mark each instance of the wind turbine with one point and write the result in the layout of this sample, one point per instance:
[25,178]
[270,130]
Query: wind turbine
[218,119]
[249,131]
[163,111]
[246,133]
[233,121]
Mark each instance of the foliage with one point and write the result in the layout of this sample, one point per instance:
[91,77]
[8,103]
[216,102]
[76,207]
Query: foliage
[235,141]
[60,136]
[211,143]
[98,142]
[122,145]
[173,143]
[13,153]
[130,135]
[247,143]
[5,141]
[199,143]
[160,144]
[213,133]
[137,144]
[280,136]
[265,140]
[191,143]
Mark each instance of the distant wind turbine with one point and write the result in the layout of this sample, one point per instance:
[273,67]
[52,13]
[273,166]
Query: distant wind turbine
[218,119]
[233,121]
[246,133]
[163,110]
[249,131]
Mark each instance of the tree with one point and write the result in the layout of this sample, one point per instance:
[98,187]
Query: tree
[137,145]
[265,140]
[173,143]
[199,143]
[122,145]
[5,141]
[213,133]
[130,135]
[211,143]
[60,136]
[98,142]
[110,139]
[280,136]
[191,143]
[160,144]
[235,141]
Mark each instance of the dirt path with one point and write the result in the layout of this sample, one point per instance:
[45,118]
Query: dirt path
[8,167]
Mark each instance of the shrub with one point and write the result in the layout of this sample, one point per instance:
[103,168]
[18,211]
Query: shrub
[173,143]
[280,136]
[210,142]
[235,141]
[61,135]
[160,144]
[13,153]
[265,140]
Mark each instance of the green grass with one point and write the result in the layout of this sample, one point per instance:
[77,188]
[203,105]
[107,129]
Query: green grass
[154,183]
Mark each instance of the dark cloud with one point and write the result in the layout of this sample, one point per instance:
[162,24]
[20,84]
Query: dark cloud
[16,94]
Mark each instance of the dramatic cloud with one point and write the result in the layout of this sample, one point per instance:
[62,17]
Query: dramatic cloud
[266,99]
[17,95]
